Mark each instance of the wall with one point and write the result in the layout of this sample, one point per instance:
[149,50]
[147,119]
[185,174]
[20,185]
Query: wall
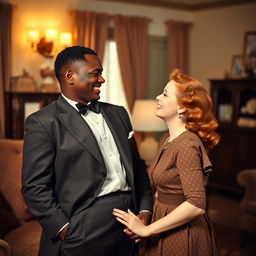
[48,13]
[218,34]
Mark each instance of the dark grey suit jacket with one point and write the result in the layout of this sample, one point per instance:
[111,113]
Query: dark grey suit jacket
[63,168]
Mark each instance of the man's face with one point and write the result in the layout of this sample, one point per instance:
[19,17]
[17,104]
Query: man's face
[87,79]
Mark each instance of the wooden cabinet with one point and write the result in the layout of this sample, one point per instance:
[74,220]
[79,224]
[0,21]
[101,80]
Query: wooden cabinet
[234,104]
[19,105]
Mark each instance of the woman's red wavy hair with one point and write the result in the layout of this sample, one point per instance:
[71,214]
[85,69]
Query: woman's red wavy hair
[193,97]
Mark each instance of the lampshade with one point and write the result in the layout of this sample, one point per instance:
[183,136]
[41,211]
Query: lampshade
[51,35]
[65,38]
[144,118]
[32,35]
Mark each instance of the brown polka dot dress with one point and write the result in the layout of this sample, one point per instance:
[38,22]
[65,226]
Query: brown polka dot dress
[178,173]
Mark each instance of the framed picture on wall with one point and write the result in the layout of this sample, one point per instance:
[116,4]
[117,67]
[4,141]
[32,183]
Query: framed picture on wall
[249,57]
[236,69]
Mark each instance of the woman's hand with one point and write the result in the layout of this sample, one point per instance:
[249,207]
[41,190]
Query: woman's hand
[145,219]
[131,221]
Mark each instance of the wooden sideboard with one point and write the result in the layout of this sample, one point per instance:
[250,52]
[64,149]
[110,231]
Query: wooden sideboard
[233,105]
[19,105]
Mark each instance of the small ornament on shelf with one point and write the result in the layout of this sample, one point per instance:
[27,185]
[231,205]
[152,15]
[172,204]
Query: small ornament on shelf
[23,83]
[226,74]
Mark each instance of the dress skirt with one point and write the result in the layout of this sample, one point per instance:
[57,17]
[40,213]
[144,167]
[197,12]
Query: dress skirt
[195,238]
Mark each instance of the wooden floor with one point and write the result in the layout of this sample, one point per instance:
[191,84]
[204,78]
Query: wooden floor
[224,212]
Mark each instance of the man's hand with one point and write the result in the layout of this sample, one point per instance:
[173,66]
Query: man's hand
[145,218]
[63,232]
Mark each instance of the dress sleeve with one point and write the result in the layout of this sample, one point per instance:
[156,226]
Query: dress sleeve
[190,166]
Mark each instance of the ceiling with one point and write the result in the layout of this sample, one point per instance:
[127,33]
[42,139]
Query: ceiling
[189,5]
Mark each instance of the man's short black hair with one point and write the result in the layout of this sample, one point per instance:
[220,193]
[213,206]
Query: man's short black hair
[69,55]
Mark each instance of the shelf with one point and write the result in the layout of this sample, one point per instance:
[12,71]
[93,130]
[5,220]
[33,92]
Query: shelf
[236,150]
[225,126]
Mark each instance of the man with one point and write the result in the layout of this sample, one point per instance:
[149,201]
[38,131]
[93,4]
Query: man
[81,161]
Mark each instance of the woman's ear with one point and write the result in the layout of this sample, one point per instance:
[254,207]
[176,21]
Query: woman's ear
[69,76]
[181,110]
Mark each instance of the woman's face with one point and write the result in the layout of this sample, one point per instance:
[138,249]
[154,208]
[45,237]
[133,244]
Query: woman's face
[167,105]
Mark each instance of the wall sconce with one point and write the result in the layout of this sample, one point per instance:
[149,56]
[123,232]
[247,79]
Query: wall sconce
[32,36]
[44,45]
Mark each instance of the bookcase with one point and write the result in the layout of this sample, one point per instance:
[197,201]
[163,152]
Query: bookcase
[234,104]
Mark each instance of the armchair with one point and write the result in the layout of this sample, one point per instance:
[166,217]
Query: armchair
[19,231]
[5,249]
[247,179]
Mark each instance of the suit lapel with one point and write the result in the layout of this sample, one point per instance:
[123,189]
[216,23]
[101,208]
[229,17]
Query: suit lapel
[120,135]
[78,127]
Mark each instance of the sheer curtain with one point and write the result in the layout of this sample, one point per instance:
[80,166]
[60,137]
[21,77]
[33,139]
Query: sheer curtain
[178,45]
[5,58]
[90,30]
[131,35]
[112,90]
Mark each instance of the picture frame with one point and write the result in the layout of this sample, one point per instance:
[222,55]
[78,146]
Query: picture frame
[249,52]
[225,113]
[237,67]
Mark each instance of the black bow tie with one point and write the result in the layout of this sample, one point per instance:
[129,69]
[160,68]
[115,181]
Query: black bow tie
[94,106]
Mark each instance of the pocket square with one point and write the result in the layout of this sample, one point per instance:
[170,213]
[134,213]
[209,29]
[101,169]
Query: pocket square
[130,134]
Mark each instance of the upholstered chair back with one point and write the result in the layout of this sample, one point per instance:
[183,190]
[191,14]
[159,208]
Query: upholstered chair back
[10,177]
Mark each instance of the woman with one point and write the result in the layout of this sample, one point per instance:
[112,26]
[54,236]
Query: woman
[179,172]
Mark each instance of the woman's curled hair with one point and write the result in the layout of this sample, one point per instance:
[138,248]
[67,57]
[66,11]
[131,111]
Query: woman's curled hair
[193,97]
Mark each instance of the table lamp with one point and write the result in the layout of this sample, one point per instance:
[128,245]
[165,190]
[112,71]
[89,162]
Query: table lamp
[145,120]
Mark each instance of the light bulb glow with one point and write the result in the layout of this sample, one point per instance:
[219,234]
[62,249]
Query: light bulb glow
[66,39]
[32,35]
[51,35]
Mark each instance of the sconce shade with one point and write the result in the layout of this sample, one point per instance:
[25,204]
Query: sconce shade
[32,35]
[66,39]
[51,35]
[144,118]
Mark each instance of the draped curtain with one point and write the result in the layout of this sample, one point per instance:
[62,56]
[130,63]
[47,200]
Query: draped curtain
[131,36]
[5,58]
[90,30]
[178,45]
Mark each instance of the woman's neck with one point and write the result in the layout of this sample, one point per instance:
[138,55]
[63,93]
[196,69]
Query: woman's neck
[176,127]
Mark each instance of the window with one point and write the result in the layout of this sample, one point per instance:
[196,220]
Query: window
[112,90]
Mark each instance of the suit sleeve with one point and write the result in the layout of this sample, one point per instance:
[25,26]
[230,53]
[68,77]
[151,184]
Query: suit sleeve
[38,176]
[141,179]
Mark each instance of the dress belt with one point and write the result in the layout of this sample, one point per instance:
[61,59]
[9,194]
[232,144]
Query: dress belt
[171,199]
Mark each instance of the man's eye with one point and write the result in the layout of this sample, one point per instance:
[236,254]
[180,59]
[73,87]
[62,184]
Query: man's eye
[95,74]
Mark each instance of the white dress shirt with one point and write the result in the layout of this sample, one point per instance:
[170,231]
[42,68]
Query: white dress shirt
[116,175]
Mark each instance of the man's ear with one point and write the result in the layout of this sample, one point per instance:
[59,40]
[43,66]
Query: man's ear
[68,75]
